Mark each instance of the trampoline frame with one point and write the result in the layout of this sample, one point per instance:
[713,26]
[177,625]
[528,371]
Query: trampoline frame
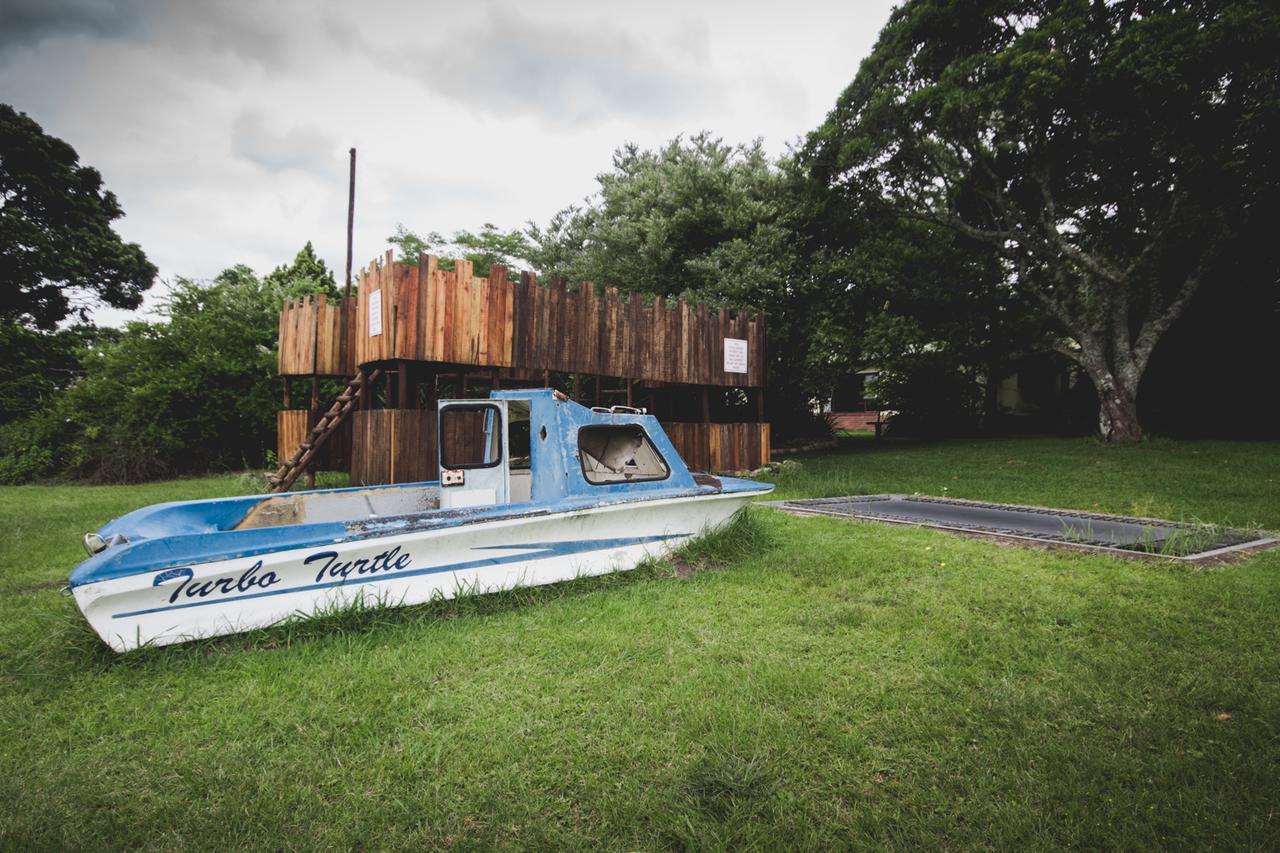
[843,507]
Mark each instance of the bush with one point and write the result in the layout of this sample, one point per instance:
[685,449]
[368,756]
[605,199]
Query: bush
[194,392]
[28,448]
[930,395]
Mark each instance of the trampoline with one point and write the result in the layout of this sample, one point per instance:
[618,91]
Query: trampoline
[1178,540]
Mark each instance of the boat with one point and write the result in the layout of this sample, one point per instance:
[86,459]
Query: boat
[533,489]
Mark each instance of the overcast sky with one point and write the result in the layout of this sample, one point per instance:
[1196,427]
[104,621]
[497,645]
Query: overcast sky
[223,127]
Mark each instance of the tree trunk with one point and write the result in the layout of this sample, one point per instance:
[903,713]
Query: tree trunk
[1118,416]
[1117,400]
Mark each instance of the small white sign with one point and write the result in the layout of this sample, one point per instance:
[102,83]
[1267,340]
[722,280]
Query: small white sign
[375,313]
[735,355]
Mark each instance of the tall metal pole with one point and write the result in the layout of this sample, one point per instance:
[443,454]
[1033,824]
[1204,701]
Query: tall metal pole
[351,217]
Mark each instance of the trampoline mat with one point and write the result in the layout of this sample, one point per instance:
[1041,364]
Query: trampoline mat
[1069,527]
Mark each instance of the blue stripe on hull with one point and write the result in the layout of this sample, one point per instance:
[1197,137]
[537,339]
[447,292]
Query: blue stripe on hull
[539,551]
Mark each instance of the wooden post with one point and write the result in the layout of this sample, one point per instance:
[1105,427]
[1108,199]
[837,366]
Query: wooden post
[629,394]
[343,334]
[404,389]
[313,415]
[288,402]
[432,393]
[351,218]
[391,446]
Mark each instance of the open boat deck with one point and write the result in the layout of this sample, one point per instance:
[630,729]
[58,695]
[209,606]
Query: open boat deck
[346,505]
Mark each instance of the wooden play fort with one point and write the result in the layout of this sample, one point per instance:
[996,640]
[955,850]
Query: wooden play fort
[412,334]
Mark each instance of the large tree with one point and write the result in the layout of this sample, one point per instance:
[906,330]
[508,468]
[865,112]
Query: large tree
[718,223]
[307,274]
[1108,152]
[58,252]
[696,215]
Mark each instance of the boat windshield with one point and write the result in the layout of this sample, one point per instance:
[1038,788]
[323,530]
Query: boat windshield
[619,454]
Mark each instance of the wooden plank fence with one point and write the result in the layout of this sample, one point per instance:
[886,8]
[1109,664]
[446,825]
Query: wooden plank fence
[399,446]
[292,426]
[720,448]
[425,313]
[311,337]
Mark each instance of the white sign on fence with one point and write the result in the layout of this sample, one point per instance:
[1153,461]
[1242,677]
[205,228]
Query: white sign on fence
[375,313]
[735,355]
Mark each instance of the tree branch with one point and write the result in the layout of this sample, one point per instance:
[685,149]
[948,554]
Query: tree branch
[1158,322]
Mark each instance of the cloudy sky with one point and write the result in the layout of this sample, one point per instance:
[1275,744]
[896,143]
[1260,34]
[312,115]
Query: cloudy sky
[224,126]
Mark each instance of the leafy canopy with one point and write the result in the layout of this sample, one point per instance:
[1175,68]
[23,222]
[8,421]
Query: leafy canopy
[193,391]
[307,274]
[696,216]
[58,252]
[483,249]
[1107,152]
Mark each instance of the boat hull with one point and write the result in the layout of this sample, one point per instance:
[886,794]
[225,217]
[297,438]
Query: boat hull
[188,602]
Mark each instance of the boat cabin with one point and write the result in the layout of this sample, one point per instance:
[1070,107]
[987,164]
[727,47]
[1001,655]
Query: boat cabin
[516,447]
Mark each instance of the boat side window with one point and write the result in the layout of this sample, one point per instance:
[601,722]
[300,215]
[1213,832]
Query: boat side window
[470,436]
[619,454]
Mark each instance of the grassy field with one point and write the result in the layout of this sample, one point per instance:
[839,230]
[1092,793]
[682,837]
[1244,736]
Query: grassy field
[817,684]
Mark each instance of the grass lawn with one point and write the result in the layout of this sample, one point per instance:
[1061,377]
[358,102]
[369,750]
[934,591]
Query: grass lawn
[821,684]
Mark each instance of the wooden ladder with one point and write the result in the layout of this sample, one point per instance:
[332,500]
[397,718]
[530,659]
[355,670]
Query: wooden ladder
[289,470]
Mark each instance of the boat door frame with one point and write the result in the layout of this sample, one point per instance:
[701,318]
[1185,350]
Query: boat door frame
[467,485]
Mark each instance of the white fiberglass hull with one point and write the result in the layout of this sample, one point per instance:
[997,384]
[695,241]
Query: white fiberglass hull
[231,596]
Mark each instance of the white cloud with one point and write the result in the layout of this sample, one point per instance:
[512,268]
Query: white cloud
[224,128]
[569,73]
[302,148]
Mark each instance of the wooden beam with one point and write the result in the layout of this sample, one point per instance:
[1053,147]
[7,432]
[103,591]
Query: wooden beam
[404,385]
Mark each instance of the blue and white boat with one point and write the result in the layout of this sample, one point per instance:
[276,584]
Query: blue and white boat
[533,489]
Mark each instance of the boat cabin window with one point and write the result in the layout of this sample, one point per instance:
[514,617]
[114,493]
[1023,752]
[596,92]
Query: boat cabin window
[470,436]
[619,454]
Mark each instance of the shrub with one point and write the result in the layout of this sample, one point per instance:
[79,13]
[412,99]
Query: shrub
[196,391]
[931,396]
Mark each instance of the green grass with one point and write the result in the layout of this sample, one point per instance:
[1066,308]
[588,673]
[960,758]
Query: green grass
[1223,482]
[818,684]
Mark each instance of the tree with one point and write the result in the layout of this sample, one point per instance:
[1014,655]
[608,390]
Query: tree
[935,317]
[36,366]
[484,249]
[694,216]
[307,274]
[58,252]
[1107,152]
[724,224]
[194,391]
